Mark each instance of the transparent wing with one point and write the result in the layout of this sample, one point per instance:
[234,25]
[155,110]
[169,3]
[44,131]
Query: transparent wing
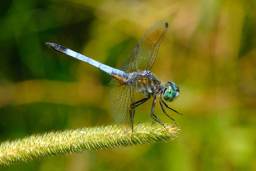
[145,52]
[142,58]
[121,98]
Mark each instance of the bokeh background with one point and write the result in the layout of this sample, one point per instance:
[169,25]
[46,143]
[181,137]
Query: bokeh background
[209,51]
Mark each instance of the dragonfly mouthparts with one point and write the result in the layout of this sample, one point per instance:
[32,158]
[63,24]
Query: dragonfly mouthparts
[56,46]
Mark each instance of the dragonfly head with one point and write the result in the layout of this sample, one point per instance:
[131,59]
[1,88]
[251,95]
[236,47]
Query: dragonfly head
[171,90]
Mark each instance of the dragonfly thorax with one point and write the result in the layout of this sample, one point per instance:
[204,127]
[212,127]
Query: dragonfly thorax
[144,82]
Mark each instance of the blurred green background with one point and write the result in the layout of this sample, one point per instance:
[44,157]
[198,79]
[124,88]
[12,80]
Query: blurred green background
[209,51]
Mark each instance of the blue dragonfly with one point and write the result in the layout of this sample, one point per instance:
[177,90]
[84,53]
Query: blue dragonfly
[137,77]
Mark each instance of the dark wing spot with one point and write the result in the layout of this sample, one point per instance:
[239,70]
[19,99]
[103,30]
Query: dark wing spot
[166,24]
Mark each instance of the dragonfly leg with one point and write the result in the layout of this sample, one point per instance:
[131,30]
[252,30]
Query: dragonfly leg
[170,107]
[132,112]
[152,113]
[162,107]
[133,106]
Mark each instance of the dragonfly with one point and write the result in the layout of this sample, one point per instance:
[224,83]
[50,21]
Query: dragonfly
[138,77]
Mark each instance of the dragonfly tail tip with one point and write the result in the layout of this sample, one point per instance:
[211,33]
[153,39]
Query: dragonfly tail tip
[56,46]
[50,44]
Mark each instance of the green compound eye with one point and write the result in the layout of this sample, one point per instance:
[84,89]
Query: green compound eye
[169,94]
[171,91]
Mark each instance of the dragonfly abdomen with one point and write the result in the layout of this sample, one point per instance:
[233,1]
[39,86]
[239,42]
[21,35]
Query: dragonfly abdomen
[116,73]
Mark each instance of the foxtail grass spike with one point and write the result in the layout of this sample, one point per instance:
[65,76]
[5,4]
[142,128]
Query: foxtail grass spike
[78,140]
